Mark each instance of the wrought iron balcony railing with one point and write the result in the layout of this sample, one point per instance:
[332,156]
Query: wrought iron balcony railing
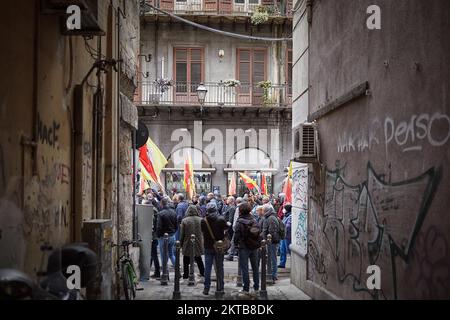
[219,7]
[219,94]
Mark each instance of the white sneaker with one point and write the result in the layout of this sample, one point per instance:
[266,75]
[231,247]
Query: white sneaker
[243,293]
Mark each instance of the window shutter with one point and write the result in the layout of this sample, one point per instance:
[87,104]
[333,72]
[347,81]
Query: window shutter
[225,6]
[166,5]
[210,5]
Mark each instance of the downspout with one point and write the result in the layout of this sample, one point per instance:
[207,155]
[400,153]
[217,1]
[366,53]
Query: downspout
[36,58]
[119,72]
[309,4]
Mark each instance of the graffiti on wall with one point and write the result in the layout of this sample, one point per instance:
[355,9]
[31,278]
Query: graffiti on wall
[48,134]
[409,134]
[300,207]
[375,222]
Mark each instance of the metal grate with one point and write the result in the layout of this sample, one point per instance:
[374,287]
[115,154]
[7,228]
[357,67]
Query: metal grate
[308,141]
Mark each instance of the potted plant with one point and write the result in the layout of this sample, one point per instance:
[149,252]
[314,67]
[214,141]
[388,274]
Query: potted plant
[232,83]
[163,84]
[261,15]
[266,85]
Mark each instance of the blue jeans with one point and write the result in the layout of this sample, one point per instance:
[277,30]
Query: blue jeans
[284,251]
[171,249]
[244,256]
[211,258]
[273,259]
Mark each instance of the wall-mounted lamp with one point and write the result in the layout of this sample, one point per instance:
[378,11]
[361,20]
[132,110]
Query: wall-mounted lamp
[148,57]
[221,54]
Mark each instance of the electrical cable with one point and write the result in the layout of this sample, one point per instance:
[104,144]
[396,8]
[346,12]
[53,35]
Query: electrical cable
[225,33]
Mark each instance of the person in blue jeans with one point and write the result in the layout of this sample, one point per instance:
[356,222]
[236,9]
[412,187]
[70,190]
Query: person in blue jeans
[247,238]
[286,242]
[213,229]
[167,223]
[271,226]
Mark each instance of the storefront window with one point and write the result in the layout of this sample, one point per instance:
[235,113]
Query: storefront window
[242,189]
[174,182]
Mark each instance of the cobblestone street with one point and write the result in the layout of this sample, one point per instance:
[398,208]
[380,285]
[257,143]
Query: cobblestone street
[282,290]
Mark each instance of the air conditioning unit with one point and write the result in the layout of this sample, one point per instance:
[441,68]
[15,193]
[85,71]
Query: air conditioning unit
[306,143]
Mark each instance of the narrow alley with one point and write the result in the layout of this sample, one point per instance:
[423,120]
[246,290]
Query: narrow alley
[264,151]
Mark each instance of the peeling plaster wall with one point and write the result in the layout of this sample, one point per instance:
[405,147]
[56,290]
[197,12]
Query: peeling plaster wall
[36,204]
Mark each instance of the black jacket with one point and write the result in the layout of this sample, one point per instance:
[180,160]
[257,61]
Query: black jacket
[218,226]
[229,214]
[167,222]
[239,232]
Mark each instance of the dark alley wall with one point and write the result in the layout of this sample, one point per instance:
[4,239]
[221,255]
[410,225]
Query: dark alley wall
[382,196]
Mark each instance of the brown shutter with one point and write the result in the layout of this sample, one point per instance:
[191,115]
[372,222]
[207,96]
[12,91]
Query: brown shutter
[166,5]
[210,5]
[225,6]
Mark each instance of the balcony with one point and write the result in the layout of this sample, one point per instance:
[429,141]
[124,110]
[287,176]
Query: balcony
[219,95]
[220,7]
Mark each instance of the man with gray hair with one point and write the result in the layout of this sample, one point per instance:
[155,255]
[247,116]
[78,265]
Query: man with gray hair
[271,225]
[181,212]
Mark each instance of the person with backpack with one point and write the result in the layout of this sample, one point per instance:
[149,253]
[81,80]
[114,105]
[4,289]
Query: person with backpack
[247,238]
[213,228]
[286,242]
[274,226]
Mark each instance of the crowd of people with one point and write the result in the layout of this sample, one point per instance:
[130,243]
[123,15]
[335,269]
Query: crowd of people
[243,222]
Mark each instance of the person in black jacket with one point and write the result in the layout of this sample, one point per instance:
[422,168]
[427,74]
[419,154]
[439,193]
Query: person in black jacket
[218,226]
[248,246]
[167,223]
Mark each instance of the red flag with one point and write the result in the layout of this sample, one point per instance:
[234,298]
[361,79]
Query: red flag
[147,163]
[189,183]
[264,190]
[249,182]
[232,187]
[287,190]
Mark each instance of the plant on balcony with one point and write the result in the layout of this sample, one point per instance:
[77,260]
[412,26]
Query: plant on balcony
[261,15]
[266,85]
[232,83]
[164,84]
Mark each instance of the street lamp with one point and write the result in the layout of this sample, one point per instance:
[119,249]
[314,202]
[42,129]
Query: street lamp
[201,94]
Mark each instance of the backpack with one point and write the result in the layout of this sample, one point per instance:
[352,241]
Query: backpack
[252,234]
[281,234]
[282,229]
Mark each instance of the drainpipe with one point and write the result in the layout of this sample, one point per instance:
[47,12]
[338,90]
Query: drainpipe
[36,56]
[117,146]
[309,4]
